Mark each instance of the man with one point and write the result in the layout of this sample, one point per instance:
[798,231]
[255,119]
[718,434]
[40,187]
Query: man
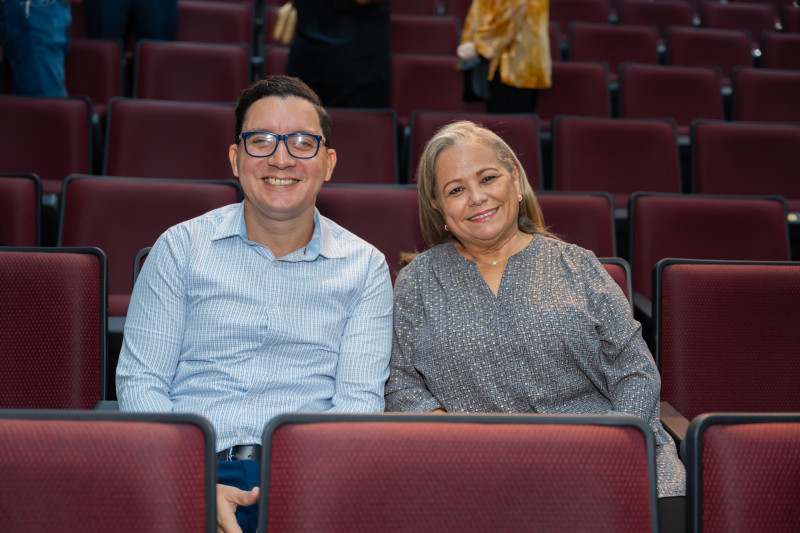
[264,307]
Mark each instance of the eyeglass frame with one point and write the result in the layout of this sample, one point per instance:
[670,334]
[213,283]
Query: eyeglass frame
[282,137]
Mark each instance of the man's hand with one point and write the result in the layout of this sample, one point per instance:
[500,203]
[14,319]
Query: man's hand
[466,51]
[228,499]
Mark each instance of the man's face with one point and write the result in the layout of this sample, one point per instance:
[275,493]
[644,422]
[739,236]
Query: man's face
[280,186]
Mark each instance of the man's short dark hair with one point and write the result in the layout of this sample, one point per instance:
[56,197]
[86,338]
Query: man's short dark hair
[282,87]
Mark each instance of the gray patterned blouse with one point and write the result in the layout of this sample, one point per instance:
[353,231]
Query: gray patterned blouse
[558,338]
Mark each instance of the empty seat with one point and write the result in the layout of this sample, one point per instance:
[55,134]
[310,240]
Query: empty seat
[703,227]
[766,95]
[93,68]
[660,14]
[615,155]
[780,50]
[613,44]
[565,12]
[203,72]
[159,139]
[754,17]
[704,47]
[427,82]
[680,93]
[457,473]
[520,131]
[578,89]
[420,34]
[53,326]
[365,141]
[728,335]
[20,206]
[123,215]
[790,17]
[215,22]
[276,59]
[746,158]
[585,219]
[742,472]
[27,119]
[102,471]
[358,207]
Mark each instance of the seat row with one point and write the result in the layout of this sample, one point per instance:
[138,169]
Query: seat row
[405,471]
[149,138]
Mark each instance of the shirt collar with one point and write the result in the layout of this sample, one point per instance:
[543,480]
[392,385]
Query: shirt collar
[323,242]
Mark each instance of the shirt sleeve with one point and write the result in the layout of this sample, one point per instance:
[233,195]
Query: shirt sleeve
[153,331]
[406,389]
[365,348]
[632,379]
[493,28]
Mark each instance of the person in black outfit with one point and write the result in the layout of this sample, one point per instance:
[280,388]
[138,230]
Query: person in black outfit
[341,49]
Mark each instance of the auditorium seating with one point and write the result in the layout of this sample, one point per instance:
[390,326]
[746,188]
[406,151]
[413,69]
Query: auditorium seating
[585,219]
[159,139]
[102,471]
[754,17]
[680,93]
[276,59]
[20,209]
[613,44]
[579,88]
[420,81]
[747,158]
[366,143]
[201,72]
[766,95]
[215,22]
[417,34]
[743,472]
[358,207]
[565,12]
[620,156]
[704,47]
[93,68]
[53,326]
[727,335]
[702,227]
[411,472]
[676,13]
[519,131]
[28,121]
[790,17]
[780,50]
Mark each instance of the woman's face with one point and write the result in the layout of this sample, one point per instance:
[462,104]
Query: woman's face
[477,196]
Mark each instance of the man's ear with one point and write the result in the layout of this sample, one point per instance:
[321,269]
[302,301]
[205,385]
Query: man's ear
[232,156]
[331,163]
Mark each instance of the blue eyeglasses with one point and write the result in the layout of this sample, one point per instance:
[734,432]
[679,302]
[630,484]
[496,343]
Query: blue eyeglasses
[264,144]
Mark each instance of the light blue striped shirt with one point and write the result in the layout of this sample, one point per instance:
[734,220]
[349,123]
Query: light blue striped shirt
[217,326]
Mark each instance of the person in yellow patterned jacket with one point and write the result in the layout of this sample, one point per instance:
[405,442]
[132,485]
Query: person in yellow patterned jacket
[513,36]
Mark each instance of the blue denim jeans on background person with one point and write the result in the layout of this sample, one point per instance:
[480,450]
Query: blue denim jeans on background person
[34,35]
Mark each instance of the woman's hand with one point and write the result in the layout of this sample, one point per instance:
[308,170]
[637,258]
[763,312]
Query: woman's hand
[466,51]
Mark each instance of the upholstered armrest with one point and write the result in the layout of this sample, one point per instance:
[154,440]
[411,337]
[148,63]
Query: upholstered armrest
[675,424]
[107,405]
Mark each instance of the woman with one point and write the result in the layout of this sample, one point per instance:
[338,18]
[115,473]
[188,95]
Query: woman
[514,36]
[499,316]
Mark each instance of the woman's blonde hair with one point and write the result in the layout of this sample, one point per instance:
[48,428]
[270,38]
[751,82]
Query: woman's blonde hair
[530,218]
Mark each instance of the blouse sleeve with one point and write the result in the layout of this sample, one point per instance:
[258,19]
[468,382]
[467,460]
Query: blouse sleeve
[405,389]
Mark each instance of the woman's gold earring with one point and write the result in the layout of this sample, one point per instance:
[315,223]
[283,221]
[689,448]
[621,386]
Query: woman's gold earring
[519,196]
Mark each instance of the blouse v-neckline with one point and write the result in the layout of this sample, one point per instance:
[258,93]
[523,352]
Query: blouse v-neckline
[474,270]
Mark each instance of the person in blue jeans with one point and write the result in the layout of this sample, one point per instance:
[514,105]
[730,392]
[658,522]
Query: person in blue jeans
[34,35]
